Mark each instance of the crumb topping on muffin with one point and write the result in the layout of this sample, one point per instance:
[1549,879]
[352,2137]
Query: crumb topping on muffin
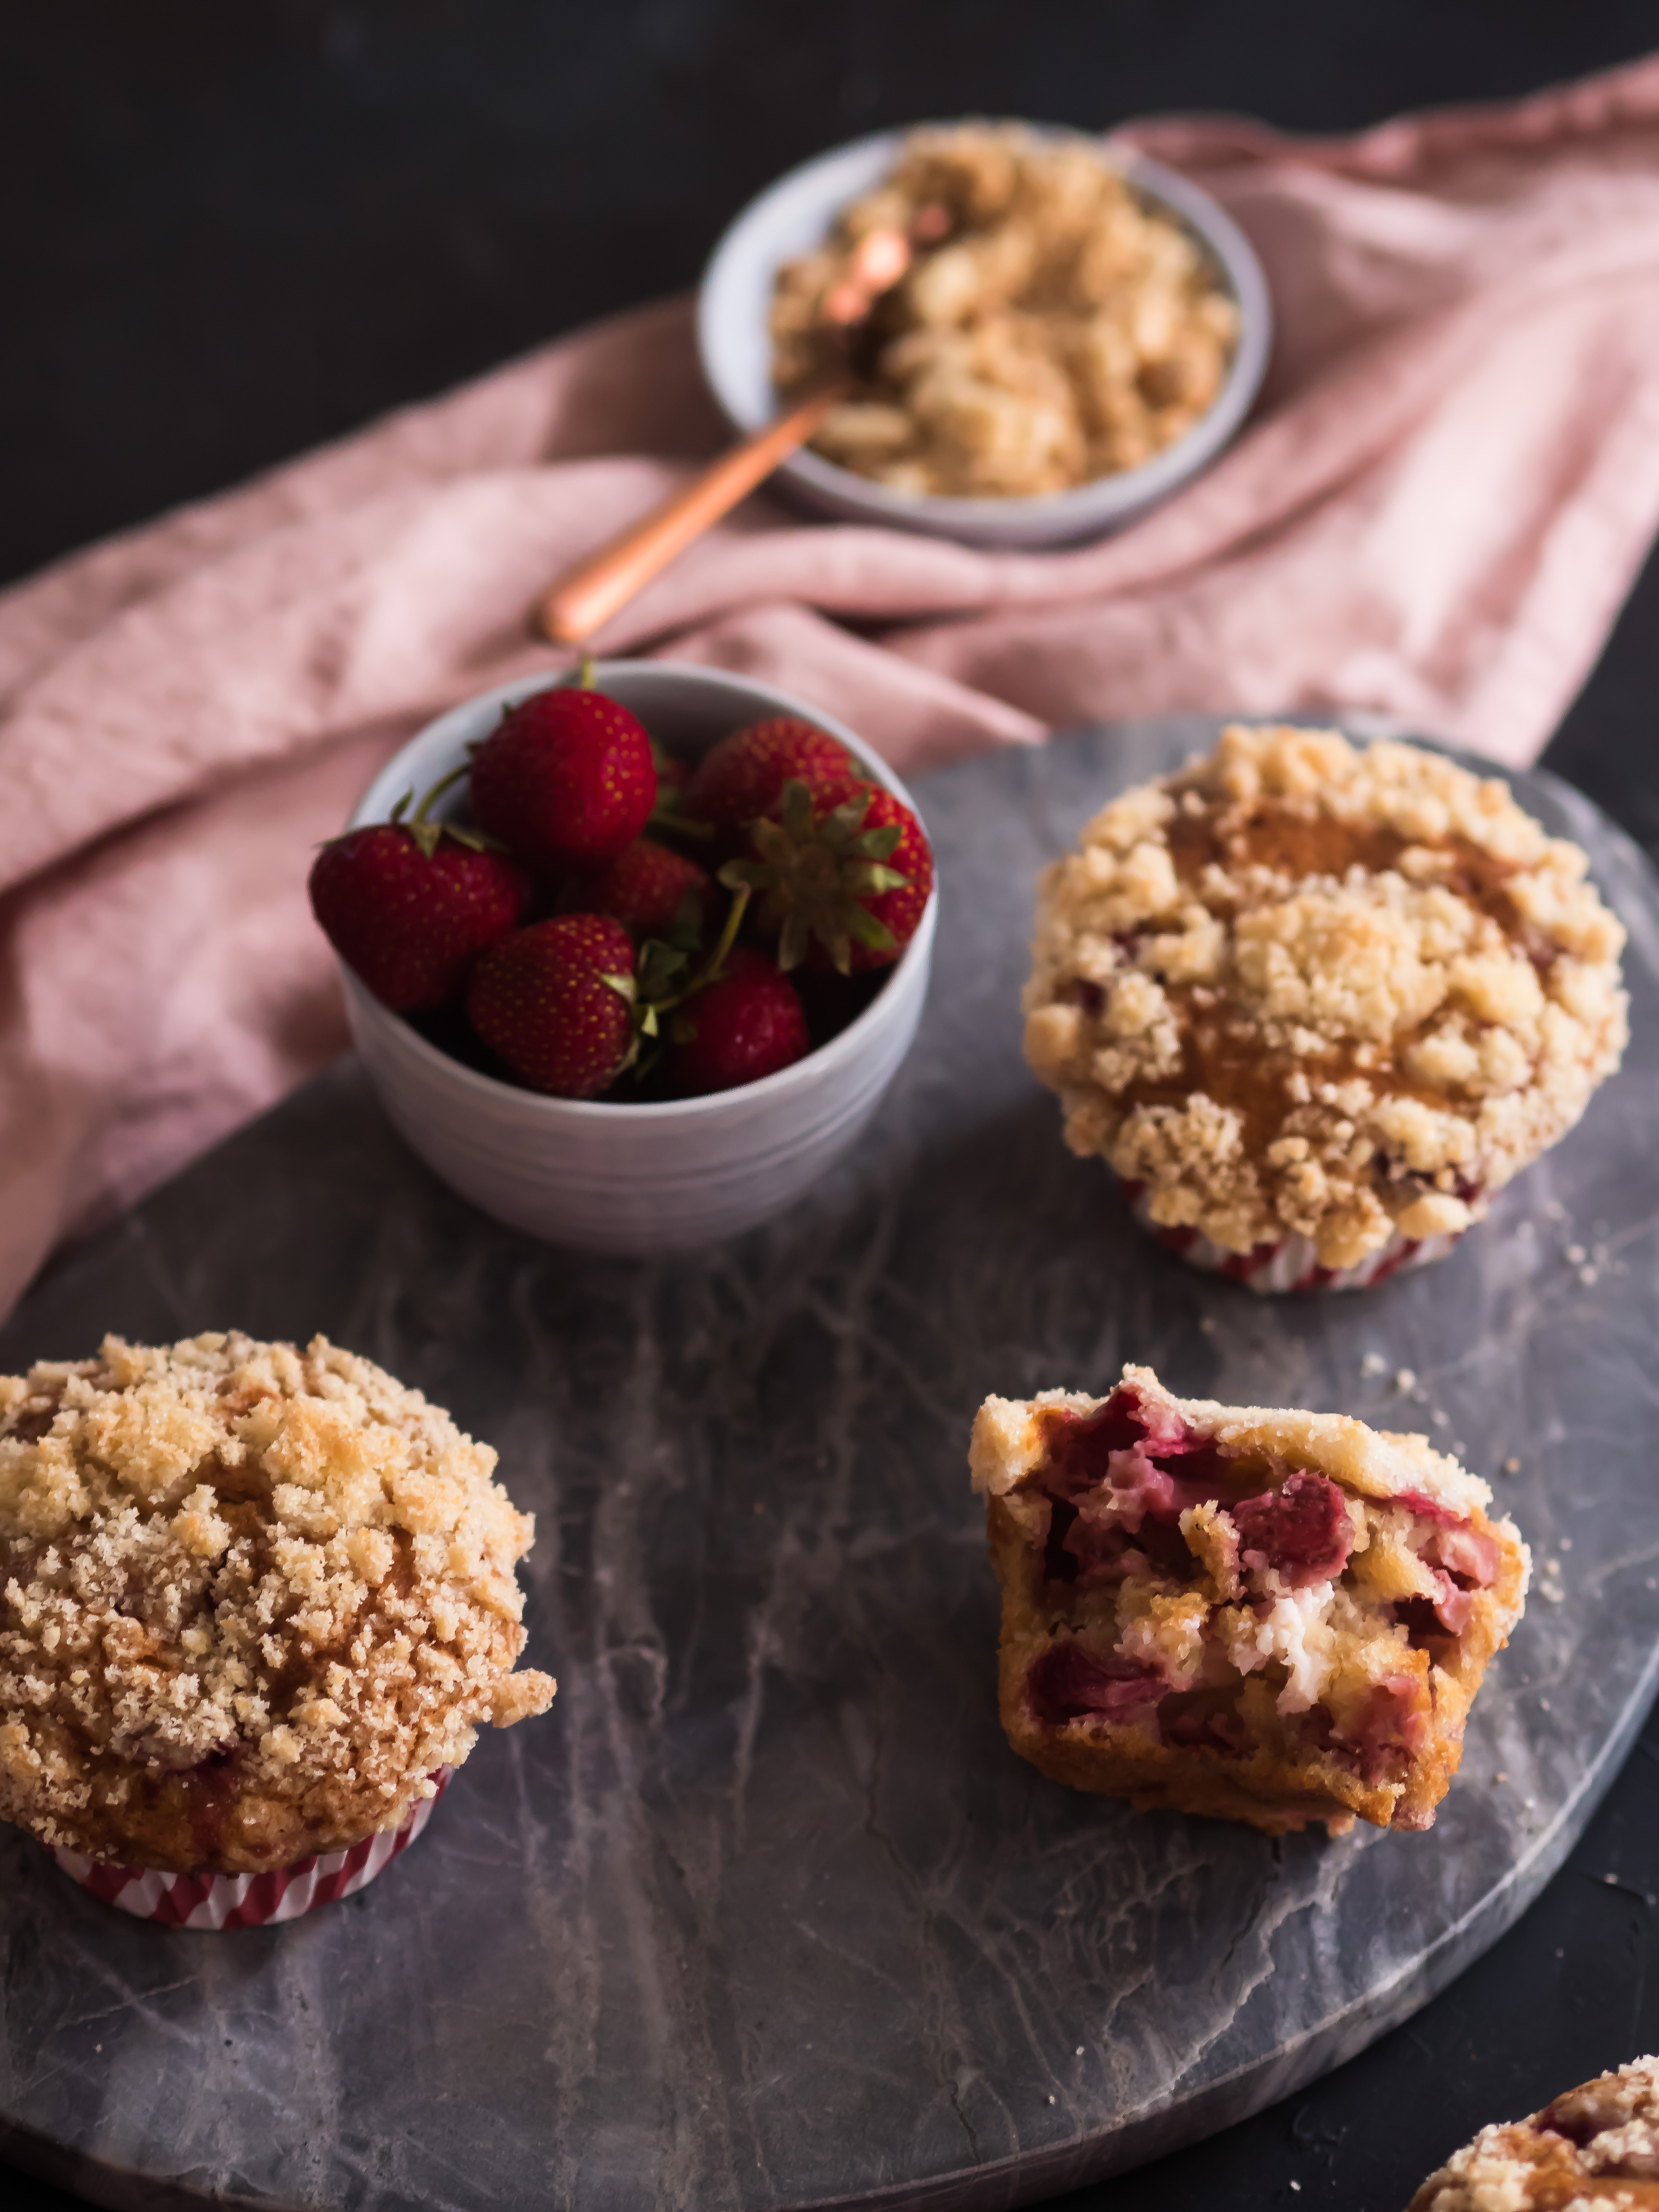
[252,1598]
[1307,988]
[1597,2145]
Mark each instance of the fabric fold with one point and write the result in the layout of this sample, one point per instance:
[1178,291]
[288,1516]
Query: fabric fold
[1446,491]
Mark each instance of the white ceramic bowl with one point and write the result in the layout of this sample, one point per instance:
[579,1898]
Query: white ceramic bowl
[795,214]
[647,1178]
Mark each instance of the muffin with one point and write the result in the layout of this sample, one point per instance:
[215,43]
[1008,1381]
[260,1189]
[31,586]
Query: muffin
[1315,1003]
[256,1602]
[1268,1616]
[1597,2144]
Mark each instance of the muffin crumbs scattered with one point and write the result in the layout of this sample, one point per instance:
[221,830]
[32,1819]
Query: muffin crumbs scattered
[252,1598]
[1302,986]
[1054,325]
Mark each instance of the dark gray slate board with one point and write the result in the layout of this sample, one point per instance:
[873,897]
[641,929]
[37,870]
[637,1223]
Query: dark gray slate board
[765,1912]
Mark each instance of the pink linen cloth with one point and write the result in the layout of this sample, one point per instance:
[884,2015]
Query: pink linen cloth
[1445,494]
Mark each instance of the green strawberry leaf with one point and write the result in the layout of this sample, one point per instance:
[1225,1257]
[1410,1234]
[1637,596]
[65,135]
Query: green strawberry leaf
[685,931]
[746,875]
[793,944]
[668,817]
[661,967]
[875,936]
[796,810]
[474,840]
[869,881]
[843,820]
[621,985]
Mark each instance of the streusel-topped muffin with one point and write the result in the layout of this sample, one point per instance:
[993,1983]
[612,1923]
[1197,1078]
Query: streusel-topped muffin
[1595,2145]
[253,1597]
[1267,1616]
[1307,989]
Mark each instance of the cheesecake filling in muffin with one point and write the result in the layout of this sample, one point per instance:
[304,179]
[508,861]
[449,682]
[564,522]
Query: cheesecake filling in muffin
[252,1598]
[1277,1617]
[1305,989]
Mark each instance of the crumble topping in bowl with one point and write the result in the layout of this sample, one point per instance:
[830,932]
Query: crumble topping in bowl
[1596,2145]
[1053,326]
[252,1598]
[1306,988]
[1270,1616]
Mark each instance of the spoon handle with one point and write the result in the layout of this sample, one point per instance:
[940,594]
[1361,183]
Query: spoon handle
[591,593]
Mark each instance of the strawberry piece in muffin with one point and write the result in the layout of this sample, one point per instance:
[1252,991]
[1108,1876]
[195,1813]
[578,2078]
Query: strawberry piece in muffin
[1275,1617]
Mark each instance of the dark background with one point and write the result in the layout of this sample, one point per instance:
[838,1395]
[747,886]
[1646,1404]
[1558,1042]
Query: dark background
[229,229]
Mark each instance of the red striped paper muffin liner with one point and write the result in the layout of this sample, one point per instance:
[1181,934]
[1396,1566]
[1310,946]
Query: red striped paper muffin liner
[249,1901]
[1290,1262]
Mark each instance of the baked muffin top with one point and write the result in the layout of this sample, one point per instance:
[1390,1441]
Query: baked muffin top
[1303,987]
[252,1598]
[1597,2145]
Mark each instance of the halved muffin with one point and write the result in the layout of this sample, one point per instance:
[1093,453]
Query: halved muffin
[1597,2144]
[1271,1616]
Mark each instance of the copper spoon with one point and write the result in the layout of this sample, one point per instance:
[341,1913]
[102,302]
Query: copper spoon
[591,593]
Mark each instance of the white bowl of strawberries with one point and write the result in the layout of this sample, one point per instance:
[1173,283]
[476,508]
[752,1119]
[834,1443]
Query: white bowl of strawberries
[630,957]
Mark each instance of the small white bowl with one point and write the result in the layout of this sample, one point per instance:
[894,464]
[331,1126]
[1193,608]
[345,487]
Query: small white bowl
[794,215]
[647,1178]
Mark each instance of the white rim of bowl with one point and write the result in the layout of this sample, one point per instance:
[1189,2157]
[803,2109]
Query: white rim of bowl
[1196,211]
[796,1076]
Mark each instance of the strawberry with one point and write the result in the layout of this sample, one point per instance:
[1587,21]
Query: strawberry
[744,775]
[409,906]
[556,1001]
[565,779]
[644,887]
[844,878]
[745,1024]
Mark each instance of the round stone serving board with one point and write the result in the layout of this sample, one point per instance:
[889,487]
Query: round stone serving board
[765,1912]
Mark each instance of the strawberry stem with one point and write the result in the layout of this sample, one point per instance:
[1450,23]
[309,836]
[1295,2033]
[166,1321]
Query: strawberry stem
[728,936]
[443,784]
[427,834]
[665,819]
[814,869]
[652,1006]
[710,971]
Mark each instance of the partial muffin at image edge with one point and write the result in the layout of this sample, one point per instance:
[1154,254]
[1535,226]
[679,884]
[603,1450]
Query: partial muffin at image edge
[1262,1614]
[1316,1004]
[255,1599]
[1595,2145]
